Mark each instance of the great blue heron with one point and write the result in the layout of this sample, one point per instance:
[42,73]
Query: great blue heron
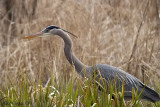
[103,70]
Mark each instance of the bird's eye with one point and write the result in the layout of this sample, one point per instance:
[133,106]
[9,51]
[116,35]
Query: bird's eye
[45,30]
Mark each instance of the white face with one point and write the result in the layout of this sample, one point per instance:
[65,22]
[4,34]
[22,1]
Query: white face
[45,34]
[50,30]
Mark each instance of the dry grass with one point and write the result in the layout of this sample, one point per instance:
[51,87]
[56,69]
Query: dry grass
[107,30]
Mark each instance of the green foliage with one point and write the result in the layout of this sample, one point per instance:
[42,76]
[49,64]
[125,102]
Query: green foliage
[71,93]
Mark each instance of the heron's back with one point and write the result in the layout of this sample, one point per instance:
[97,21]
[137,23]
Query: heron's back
[118,77]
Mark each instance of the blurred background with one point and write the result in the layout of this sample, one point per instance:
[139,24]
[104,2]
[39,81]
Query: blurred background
[121,33]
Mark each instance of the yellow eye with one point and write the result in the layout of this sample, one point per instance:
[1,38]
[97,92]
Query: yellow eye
[45,30]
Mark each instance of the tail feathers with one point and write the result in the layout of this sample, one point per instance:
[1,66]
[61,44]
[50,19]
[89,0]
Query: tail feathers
[151,95]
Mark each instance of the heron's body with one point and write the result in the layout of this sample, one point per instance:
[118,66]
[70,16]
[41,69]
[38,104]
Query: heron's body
[107,72]
[119,77]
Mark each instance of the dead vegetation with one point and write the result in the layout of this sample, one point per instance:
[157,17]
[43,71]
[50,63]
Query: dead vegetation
[124,34]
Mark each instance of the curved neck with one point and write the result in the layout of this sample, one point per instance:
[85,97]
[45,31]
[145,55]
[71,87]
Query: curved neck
[73,60]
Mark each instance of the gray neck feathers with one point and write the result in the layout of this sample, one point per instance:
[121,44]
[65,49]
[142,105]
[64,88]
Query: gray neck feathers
[73,60]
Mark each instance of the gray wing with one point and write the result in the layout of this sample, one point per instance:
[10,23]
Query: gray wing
[110,73]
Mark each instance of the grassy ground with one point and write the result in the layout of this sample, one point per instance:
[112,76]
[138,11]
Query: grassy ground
[124,34]
[84,94]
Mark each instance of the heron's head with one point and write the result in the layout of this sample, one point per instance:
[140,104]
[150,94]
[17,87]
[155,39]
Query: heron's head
[50,30]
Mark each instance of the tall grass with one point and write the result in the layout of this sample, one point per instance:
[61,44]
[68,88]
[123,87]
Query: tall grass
[124,34]
[72,93]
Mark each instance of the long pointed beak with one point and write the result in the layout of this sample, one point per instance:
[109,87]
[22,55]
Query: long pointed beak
[34,35]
